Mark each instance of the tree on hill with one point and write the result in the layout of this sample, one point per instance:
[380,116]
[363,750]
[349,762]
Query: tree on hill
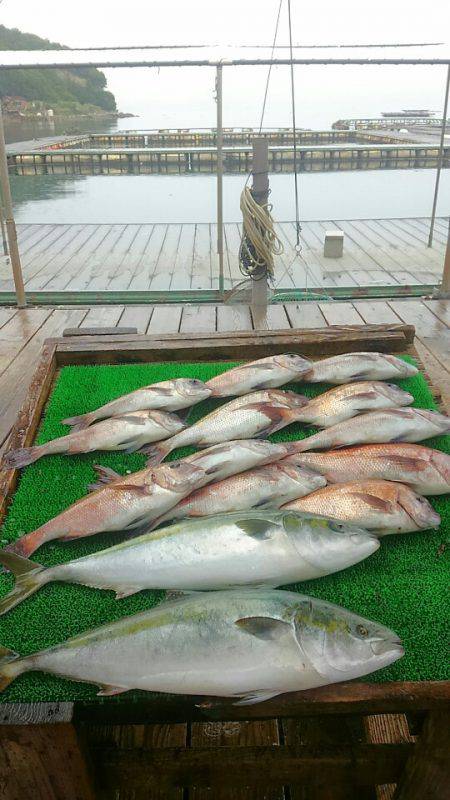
[53,87]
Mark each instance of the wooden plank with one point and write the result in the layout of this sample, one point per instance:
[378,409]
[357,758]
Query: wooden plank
[165,319]
[183,265]
[387,728]
[234,734]
[18,331]
[234,318]
[164,266]
[131,259]
[103,316]
[277,319]
[305,315]
[119,331]
[104,268]
[44,762]
[375,311]
[78,264]
[198,319]
[139,316]
[16,378]
[427,772]
[145,268]
[440,309]
[201,257]
[44,268]
[241,767]
[5,315]
[340,314]
[318,732]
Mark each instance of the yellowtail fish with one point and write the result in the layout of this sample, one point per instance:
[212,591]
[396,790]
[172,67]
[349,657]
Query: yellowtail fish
[170,395]
[359,367]
[392,425]
[122,503]
[271,485]
[251,644]
[427,471]
[129,432]
[266,373]
[347,401]
[382,506]
[250,548]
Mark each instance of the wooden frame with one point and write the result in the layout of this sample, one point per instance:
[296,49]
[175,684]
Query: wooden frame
[420,770]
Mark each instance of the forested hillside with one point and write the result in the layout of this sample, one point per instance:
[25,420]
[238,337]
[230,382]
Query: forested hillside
[57,88]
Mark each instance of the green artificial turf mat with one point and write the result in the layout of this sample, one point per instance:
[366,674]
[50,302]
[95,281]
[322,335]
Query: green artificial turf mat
[403,586]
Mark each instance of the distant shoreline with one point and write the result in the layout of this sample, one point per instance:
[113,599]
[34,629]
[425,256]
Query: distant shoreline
[58,117]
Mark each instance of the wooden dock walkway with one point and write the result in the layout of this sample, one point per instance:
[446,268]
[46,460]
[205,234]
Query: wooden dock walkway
[160,257]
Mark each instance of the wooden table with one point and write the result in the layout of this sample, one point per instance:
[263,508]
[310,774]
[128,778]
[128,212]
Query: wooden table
[332,742]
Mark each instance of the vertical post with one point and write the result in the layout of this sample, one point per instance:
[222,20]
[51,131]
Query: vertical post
[9,219]
[219,145]
[440,159]
[260,192]
[3,231]
[445,285]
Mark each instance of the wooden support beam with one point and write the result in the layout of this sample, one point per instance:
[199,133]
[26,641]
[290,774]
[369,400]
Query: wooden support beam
[427,772]
[9,220]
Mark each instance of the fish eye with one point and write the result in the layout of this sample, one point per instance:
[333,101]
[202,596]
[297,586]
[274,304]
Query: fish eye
[362,631]
[337,526]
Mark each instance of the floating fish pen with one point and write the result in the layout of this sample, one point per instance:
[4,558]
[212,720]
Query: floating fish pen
[236,159]
[387,122]
[61,732]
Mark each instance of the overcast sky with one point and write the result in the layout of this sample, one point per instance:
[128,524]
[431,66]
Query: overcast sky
[173,97]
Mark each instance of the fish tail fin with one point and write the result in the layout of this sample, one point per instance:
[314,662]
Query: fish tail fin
[27,544]
[79,423]
[156,453]
[29,578]
[9,667]
[16,459]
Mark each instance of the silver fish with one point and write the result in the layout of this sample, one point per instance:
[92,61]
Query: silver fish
[129,432]
[392,425]
[266,373]
[359,367]
[427,471]
[124,502]
[271,485]
[249,643]
[256,548]
[376,505]
[351,399]
[233,419]
[171,395]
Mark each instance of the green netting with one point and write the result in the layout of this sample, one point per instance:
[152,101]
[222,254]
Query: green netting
[403,585]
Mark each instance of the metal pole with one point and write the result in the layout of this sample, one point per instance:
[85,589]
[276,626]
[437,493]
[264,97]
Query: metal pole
[219,174]
[260,192]
[3,231]
[9,219]
[440,160]
[445,285]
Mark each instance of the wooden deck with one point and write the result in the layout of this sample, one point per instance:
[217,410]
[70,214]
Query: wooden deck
[146,257]
[23,332]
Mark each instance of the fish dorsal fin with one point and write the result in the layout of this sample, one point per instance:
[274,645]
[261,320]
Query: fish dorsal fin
[106,474]
[409,462]
[375,502]
[256,528]
[268,628]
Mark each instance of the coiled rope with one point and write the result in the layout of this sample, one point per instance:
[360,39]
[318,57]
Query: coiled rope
[259,243]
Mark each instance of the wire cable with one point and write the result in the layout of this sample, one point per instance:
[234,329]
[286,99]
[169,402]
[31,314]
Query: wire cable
[294,130]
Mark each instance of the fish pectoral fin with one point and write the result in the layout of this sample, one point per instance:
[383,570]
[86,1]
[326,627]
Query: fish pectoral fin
[126,591]
[256,528]
[264,627]
[110,691]
[414,464]
[375,502]
[106,474]
[369,395]
[129,487]
[130,419]
[258,696]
